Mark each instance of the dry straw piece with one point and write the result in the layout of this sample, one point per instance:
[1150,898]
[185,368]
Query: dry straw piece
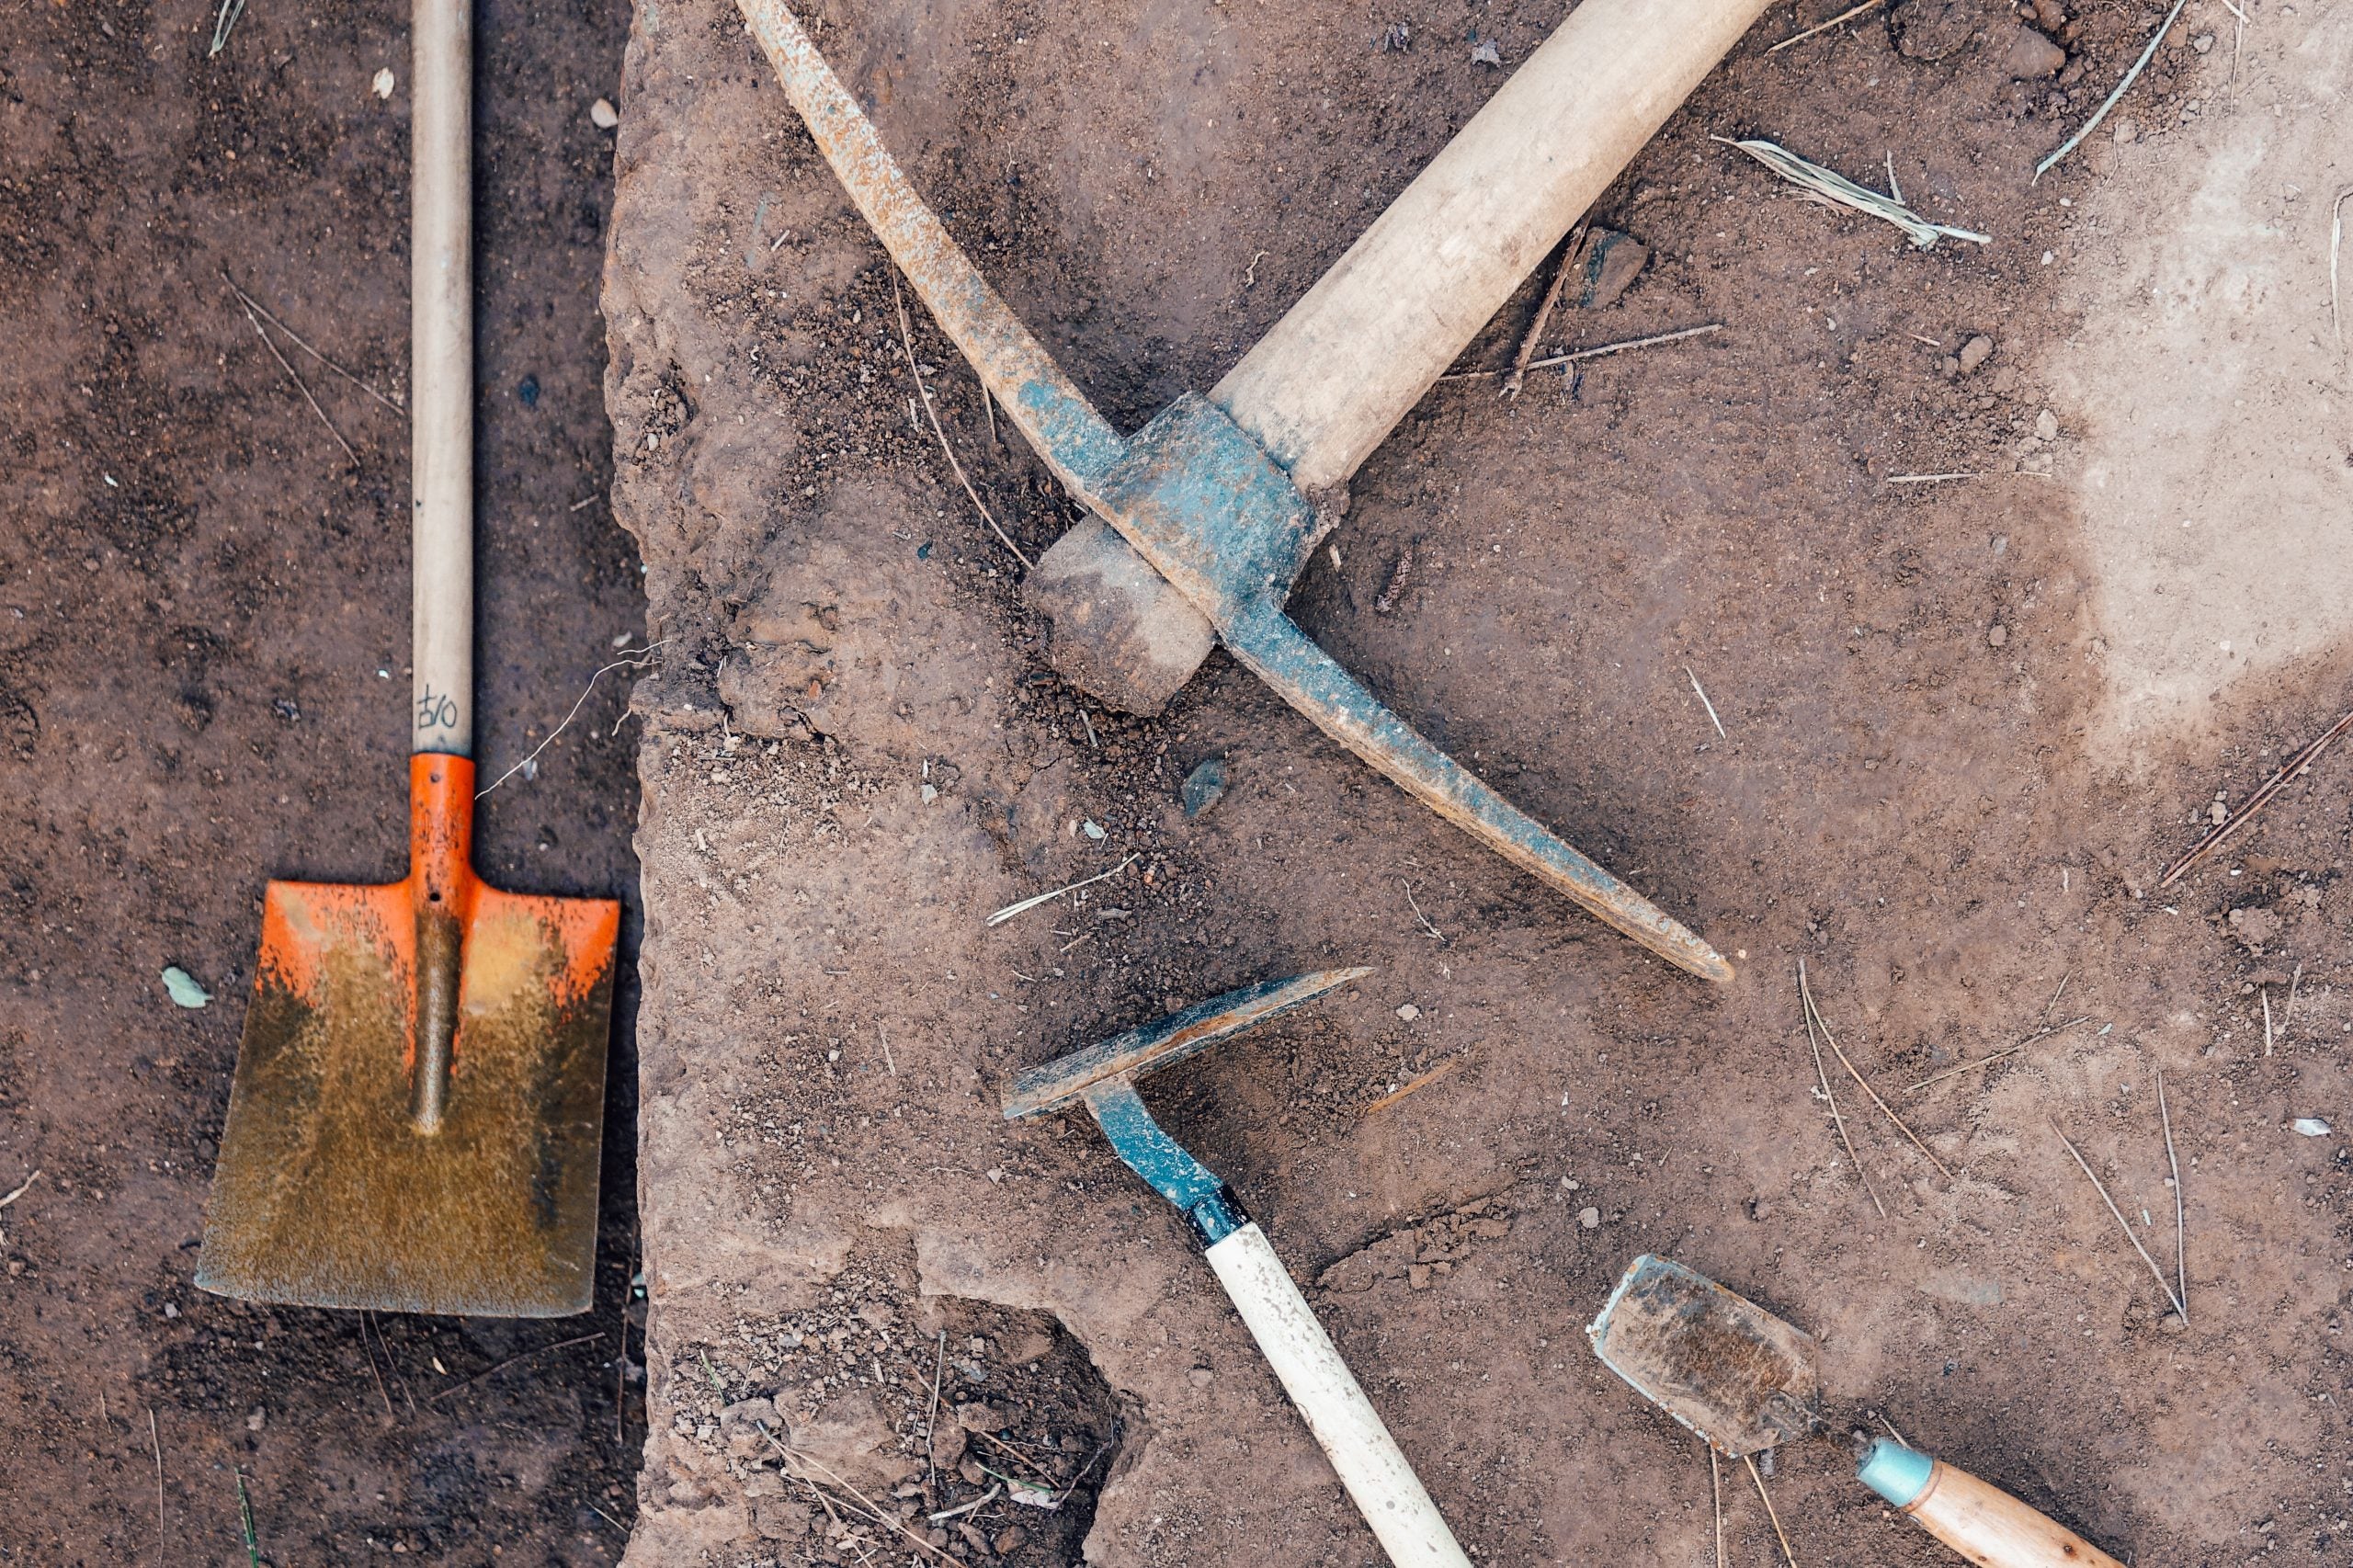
[1836,190]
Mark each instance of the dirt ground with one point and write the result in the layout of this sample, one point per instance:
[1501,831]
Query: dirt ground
[1959,741]
[203,643]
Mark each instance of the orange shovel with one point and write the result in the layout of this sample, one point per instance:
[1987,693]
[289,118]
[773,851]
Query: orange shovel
[416,1120]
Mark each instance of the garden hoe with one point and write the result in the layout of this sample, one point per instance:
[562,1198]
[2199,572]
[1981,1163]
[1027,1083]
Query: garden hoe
[1204,518]
[415,1118]
[1746,1382]
[1103,1077]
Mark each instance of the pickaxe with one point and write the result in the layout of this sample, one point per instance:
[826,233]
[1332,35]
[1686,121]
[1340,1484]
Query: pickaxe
[1211,506]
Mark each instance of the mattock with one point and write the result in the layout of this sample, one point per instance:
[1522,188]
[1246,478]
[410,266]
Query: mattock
[1326,1394]
[1210,508]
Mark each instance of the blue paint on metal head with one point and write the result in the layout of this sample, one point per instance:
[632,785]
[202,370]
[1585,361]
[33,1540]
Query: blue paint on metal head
[1208,1204]
[1895,1472]
[1202,501]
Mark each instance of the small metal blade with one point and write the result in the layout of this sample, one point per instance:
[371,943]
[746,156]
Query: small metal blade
[1717,1363]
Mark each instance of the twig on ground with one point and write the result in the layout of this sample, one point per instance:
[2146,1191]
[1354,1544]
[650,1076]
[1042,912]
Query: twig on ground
[20,1189]
[156,1435]
[2336,243]
[1787,1555]
[1836,190]
[1596,353]
[2180,1222]
[1806,991]
[638,663]
[296,338]
[2238,41]
[299,385]
[1423,1082]
[2066,976]
[2294,766]
[891,1522]
[2264,991]
[609,1520]
[1088,726]
[1434,934]
[890,1062]
[931,1416]
[1715,1469]
[1570,257]
[1027,904]
[1711,707]
[1926,478]
[983,1501]
[1847,15]
[907,342]
[2109,102]
[1997,1056]
[386,1346]
[2125,1225]
[2288,1015]
[1823,1076]
[369,1351]
[512,1360]
[1880,1416]
[245,1522]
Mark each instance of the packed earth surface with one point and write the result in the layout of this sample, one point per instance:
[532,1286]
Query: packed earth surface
[204,631]
[1896,634]
[1953,732]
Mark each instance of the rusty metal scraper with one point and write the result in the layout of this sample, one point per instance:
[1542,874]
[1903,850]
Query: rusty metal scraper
[1202,501]
[1327,1396]
[1746,1381]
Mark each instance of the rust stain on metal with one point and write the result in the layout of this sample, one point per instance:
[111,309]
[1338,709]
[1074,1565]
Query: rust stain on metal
[1717,1363]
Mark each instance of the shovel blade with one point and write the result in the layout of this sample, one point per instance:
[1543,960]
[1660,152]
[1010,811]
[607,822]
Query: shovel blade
[1717,1363]
[328,1194]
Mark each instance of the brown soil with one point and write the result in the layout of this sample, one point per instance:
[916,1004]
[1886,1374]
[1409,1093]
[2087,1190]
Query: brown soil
[858,753]
[197,592]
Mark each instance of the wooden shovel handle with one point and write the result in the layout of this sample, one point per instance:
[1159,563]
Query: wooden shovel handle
[1982,1522]
[441,371]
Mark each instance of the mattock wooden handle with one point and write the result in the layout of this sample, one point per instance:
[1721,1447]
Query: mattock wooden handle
[1982,1522]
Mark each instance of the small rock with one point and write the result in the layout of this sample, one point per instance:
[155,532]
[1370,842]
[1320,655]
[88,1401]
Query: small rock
[1484,52]
[950,1442]
[2051,14]
[1204,787]
[1607,267]
[2204,43]
[1409,1012]
[2046,425]
[2309,1126]
[1417,1276]
[382,86]
[603,115]
[1589,1218]
[2128,129]
[1996,634]
[1975,352]
[2171,1322]
[1200,1376]
[1931,29]
[183,989]
[1010,1538]
[2032,55]
[257,1419]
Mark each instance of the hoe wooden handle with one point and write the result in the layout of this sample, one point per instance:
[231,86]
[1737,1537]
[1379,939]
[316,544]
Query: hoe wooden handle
[1982,1522]
[1384,1486]
[1333,377]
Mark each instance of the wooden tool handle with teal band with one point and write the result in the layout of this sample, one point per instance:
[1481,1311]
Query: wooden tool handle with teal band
[1982,1523]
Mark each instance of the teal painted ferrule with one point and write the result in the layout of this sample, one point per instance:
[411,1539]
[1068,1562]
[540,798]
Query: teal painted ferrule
[1895,1472]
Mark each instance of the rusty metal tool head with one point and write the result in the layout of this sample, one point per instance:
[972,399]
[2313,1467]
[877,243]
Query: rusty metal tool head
[1342,1420]
[417,1113]
[1199,498]
[1719,1363]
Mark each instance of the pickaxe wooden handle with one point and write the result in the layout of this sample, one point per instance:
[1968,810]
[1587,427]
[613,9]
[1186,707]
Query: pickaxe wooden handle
[1333,377]
[1204,505]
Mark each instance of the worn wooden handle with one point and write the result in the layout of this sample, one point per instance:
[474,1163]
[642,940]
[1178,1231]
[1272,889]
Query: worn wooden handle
[1982,1522]
[441,380]
[1323,388]
[1404,1520]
